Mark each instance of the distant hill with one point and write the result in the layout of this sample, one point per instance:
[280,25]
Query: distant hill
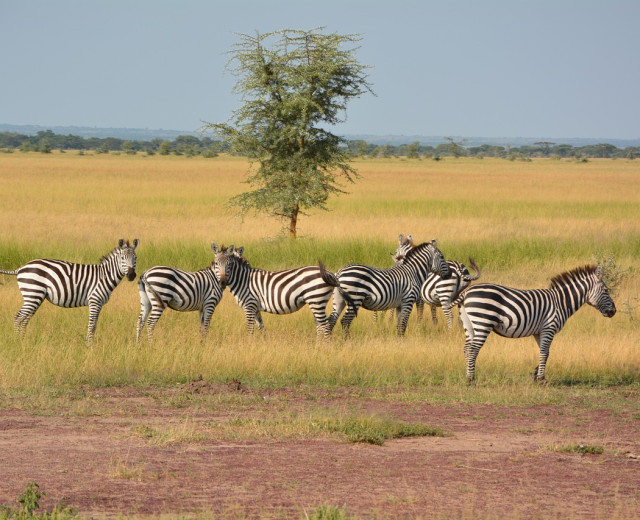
[493,141]
[134,134]
[147,134]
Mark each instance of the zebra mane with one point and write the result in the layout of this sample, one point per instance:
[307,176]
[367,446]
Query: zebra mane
[416,249]
[568,276]
[106,257]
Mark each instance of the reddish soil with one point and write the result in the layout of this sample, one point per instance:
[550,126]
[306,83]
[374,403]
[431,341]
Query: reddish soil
[498,462]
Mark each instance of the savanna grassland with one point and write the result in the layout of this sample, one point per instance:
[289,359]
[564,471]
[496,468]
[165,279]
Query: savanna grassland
[522,222]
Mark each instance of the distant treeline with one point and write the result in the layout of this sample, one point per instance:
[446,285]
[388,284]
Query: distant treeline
[46,141]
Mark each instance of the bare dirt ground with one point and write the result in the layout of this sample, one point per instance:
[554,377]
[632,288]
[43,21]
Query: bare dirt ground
[91,453]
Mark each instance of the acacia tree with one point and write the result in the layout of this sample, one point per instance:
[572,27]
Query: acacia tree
[291,83]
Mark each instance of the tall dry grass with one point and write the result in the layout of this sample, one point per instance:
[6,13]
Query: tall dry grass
[522,222]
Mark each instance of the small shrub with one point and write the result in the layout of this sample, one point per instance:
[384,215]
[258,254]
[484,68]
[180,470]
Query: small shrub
[582,449]
[29,502]
[327,512]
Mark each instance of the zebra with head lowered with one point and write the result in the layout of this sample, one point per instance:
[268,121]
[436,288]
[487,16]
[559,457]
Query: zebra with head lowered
[541,313]
[68,284]
[276,292]
[161,287]
[437,291]
[377,289]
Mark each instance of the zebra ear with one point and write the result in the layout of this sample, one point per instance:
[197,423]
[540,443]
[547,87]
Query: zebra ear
[231,249]
[214,247]
[434,242]
[136,243]
[121,242]
[599,272]
[400,239]
[240,251]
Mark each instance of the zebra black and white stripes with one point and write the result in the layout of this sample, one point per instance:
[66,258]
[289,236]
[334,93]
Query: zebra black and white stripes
[436,291]
[276,292]
[68,284]
[541,313]
[161,287]
[382,289]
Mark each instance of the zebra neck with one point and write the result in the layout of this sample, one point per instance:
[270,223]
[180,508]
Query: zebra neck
[571,297]
[110,275]
[240,278]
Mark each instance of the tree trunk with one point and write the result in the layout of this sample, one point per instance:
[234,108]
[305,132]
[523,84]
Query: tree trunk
[294,221]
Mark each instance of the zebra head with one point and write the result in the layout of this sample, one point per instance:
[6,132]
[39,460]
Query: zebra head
[598,295]
[405,244]
[126,258]
[439,265]
[224,262]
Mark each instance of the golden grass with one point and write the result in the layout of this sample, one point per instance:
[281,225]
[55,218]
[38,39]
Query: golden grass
[524,223]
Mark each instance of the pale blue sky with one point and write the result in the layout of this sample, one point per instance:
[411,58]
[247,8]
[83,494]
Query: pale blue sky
[491,68]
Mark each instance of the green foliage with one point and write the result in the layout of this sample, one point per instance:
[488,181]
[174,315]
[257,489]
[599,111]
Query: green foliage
[613,274]
[293,82]
[29,502]
[329,512]
[582,449]
[375,430]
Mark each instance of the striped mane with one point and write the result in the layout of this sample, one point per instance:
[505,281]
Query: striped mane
[106,257]
[416,249]
[568,276]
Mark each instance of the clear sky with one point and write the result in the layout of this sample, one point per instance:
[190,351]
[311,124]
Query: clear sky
[490,68]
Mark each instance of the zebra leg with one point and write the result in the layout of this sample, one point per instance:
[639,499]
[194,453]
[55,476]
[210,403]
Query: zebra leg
[205,320]
[145,309]
[29,307]
[156,313]
[259,321]
[323,329]
[420,309]
[252,316]
[434,317]
[472,344]
[338,306]
[448,315]
[348,317]
[94,313]
[403,317]
[544,340]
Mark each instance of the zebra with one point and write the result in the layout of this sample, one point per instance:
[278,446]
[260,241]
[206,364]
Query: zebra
[436,291]
[381,289]
[440,293]
[276,292]
[69,284]
[161,287]
[541,313]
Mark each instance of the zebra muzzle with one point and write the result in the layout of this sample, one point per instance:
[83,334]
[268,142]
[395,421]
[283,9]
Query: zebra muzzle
[131,275]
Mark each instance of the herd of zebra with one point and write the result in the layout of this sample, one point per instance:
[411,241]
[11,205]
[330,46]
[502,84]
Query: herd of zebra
[420,274]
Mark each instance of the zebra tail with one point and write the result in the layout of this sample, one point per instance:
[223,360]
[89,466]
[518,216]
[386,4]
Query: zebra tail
[147,287]
[12,273]
[473,266]
[332,280]
[458,299]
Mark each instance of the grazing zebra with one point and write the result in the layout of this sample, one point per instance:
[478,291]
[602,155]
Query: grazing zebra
[73,285]
[161,287]
[382,289]
[276,292]
[541,313]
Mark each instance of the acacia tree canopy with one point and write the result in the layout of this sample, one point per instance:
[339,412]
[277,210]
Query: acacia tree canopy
[293,85]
